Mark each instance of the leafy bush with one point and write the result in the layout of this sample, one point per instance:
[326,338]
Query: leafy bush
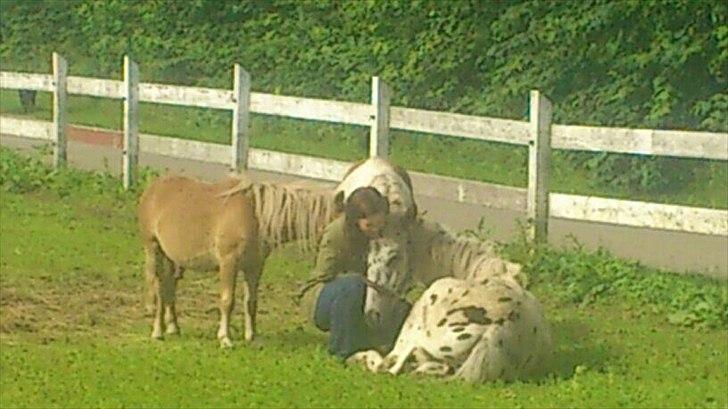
[25,174]
[583,277]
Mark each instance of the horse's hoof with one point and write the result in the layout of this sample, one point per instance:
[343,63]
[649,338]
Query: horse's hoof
[172,329]
[226,343]
[149,311]
[359,358]
[158,336]
[254,344]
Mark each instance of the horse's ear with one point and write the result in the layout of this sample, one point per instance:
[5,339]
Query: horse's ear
[339,201]
[413,212]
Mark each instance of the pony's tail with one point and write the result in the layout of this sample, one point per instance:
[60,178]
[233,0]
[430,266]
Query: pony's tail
[488,359]
[243,186]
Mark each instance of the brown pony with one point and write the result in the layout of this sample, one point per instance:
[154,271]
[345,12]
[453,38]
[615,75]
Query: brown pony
[231,225]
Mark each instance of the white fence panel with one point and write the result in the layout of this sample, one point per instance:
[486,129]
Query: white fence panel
[474,127]
[96,87]
[184,149]
[22,80]
[28,128]
[308,108]
[640,214]
[707,145]
[186,96]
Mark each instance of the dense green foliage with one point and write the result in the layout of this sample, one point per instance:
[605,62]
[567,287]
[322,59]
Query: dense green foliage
[636,63]
[73,333]
[654,64]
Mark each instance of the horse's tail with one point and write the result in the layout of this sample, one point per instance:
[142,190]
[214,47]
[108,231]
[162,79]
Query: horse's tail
[488,360]
[243,186]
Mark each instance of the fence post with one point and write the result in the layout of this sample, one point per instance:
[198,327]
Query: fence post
[130,157]
[60,119]
[241,118]
[539,157]
[379,133]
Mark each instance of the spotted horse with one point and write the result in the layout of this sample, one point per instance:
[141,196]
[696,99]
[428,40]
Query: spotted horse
[478,328]
[390,251]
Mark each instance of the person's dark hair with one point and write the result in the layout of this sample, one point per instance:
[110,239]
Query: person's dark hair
[362,203]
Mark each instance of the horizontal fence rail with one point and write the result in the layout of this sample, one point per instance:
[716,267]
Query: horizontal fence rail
[474,127]
[703,145]
[21,80]
[539,134]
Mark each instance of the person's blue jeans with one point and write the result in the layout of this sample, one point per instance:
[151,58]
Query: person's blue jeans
[340,310]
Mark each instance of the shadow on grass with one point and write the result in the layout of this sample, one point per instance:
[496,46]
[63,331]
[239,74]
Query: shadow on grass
[576,346]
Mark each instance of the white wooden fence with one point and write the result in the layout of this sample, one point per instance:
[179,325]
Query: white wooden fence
[539,134]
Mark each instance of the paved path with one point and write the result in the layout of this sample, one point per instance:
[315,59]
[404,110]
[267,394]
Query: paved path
[674,251]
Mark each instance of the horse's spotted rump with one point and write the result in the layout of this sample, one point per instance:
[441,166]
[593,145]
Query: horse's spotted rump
[473,314]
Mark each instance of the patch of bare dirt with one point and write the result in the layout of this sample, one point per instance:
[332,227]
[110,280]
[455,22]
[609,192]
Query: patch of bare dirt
[45,312]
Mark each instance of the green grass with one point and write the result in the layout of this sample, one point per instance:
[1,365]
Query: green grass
[73,333]
[458,157]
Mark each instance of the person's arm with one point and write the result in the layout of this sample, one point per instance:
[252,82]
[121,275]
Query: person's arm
[330,258]
[329,262]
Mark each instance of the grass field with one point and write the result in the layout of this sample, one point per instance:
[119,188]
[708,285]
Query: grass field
[73,333]
[704,184]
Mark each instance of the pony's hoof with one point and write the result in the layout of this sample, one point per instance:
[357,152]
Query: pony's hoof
[226,343]
[158,335]
[149,310]
[172,329]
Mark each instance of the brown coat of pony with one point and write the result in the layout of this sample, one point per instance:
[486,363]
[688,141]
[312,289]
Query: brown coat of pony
[231,225]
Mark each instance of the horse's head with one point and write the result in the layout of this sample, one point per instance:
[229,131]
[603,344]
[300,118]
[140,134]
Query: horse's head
[389,276]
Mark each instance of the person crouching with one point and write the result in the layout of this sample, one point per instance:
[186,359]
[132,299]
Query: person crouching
[337,284]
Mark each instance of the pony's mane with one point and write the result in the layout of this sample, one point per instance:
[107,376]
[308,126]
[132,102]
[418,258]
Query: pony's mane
[292,211]
[439,253]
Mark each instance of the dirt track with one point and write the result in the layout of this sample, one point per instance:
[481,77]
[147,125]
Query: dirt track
[664,249]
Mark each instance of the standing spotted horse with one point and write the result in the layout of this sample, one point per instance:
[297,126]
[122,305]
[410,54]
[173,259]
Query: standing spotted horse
[475,321]
[389,252]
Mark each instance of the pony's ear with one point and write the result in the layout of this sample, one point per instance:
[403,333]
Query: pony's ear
[413,212]
[339,201]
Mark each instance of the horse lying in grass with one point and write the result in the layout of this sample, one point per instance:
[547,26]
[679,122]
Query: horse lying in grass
[231,225]
[477,324]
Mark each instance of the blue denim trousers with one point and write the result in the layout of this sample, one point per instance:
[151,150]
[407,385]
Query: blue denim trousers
[340,310]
